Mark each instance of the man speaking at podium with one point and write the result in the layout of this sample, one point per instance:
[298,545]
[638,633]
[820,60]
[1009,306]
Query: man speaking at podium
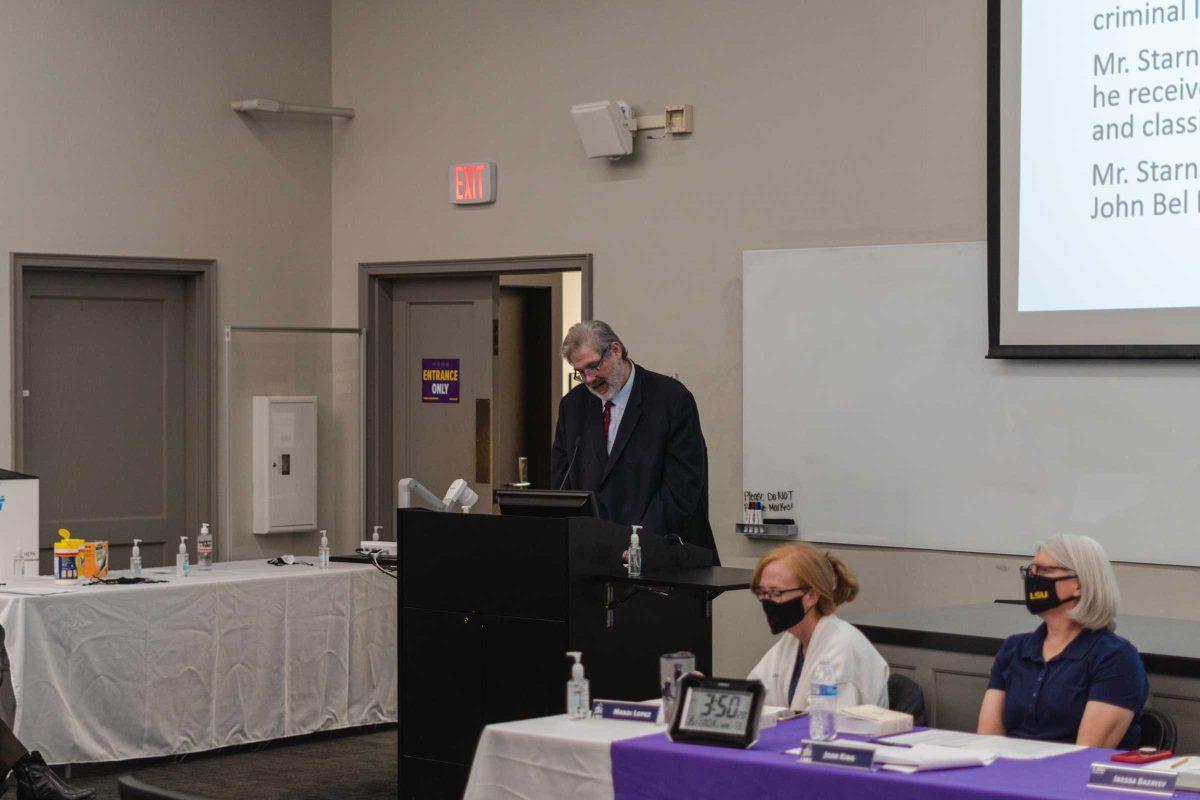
[633,437]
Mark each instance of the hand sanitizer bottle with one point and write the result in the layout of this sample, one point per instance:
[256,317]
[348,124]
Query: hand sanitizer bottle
[579,703]
[323,552]
[135,559]
[204,548]
[635,553]
[181,559]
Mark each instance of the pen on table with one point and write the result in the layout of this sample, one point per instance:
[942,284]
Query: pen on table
[1180,761]
[884,741]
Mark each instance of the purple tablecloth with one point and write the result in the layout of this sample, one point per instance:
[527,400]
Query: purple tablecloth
[655,768]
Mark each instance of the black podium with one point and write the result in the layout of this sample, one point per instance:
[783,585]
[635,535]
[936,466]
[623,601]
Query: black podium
[489,605]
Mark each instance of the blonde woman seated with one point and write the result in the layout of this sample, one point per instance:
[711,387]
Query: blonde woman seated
[800,587]
[1072,679]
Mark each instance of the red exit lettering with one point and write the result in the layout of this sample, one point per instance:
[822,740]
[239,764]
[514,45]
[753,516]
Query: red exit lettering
[468,182]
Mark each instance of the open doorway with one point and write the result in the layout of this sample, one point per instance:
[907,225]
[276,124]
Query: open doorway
[463,372]
[535,312]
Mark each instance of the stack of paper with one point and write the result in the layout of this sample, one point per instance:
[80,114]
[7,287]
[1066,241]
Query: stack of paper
[1187,767]
[872,721]
[927,757]
[989,746]
[918,758]
[38,589]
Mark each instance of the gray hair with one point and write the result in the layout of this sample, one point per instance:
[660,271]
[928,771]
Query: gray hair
[1099,597]
[591,333]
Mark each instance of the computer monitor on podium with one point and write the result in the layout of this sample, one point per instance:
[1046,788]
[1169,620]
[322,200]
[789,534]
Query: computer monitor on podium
[546,503]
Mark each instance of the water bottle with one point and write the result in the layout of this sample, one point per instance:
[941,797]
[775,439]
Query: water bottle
[204,548]
[822,703]
[323,552]
[30,569]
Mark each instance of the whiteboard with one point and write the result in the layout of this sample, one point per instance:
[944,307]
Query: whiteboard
[866,392]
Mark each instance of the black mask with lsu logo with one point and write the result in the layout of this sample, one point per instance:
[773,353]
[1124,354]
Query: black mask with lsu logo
[1040,593]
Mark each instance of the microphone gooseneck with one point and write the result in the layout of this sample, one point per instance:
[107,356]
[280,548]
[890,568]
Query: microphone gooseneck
[571,462]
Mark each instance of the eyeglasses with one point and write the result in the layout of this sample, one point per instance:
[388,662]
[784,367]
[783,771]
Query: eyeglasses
[592,368]
[775,595]
[1043,571]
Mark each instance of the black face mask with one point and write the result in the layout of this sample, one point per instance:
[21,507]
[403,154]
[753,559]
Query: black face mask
[781,616]
[1041,594]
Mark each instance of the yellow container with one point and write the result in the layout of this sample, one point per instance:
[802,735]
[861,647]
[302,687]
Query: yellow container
[66,557]
[93,560]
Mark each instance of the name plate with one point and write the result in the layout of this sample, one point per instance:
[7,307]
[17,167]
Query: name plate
[838,755]
[1132,779]
[634,712]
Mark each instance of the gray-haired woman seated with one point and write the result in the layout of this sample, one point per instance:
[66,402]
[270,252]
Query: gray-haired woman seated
[1072,679]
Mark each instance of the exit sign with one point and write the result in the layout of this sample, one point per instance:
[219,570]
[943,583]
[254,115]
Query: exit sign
[473,183]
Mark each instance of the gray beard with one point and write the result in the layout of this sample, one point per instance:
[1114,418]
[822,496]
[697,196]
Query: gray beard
[613,389]
[608,395]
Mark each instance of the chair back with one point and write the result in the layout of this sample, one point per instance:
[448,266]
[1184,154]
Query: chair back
[130,788]
[906,696]
[1158,730]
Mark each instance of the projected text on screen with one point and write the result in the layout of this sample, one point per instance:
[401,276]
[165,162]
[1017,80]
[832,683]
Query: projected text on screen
[1109,155]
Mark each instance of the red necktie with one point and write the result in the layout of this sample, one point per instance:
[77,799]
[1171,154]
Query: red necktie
[608,404]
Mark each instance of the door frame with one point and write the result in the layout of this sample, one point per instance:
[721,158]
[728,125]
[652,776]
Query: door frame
[375,315]
[200,330]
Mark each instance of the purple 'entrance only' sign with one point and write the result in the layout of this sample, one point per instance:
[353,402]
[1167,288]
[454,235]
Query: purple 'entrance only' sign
[439,380]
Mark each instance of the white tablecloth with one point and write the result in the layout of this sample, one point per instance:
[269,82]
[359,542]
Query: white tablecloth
[550,758]
[246,652]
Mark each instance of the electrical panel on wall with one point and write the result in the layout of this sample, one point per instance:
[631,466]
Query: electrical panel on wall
[285,464]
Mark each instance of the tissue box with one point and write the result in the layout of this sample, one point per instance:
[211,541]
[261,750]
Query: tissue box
[93,560]
[872,721]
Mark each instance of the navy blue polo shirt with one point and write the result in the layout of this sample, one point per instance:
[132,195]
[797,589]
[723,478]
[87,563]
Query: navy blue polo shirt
[1045,699]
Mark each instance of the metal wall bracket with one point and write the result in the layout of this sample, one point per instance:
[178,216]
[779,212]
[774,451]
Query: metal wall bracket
[611,604]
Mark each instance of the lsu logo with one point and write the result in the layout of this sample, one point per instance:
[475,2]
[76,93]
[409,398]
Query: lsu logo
[1038,595]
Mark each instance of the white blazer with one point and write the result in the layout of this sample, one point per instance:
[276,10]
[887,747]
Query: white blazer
[862,672]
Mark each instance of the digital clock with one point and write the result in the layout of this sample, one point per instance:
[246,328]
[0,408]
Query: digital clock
[720,711]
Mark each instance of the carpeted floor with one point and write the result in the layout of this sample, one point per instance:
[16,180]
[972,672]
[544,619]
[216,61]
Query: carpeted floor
[353,765]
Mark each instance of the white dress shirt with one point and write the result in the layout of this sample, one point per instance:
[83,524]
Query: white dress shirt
[619,402]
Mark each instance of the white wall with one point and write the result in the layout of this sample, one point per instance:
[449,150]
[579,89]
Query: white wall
[825,122]
[119,140]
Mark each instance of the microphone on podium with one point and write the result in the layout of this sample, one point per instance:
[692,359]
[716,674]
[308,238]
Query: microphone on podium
[571,462]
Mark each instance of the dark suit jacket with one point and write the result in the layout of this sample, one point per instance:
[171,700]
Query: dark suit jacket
[657,474]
